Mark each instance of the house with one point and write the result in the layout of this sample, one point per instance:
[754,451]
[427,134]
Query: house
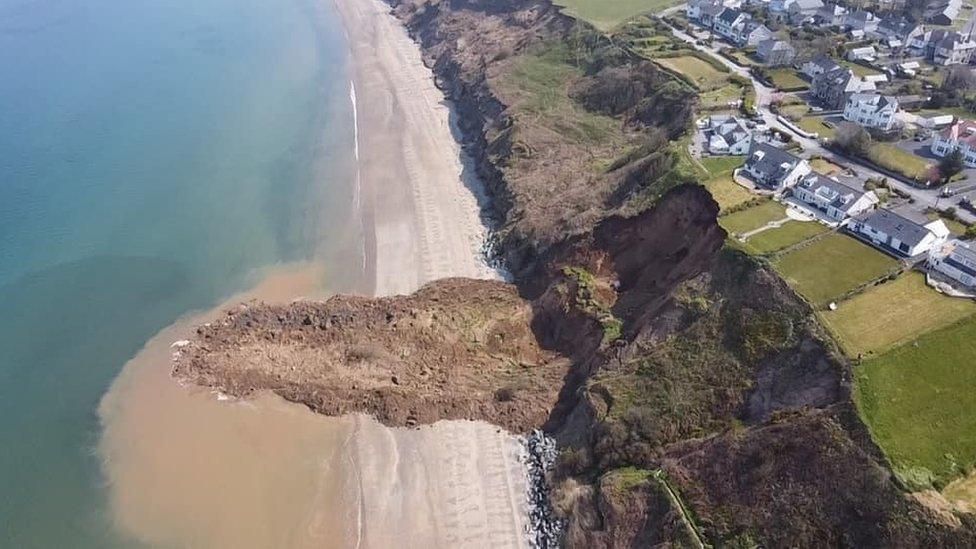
[894,233]
[866,53]
[833,88]
[909,68]
[728,20]
[819,64]
[893,27]
[942,12]
[799,11]
[962,136]
[774,53]
[862,21]
[871,110]
[753,33]
[956,48]
[831,15]
[832,198]
[708,13]
[774,168]
[695,9]
[728,135]
[957,260]
[924,44]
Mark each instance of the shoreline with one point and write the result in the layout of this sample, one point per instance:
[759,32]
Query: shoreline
[419,224]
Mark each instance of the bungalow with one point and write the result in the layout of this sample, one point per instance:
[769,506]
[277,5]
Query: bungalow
[727,21]
[894,233]
[957,260]
[774,168]
[867,53]
[871,110]
[819,64]
[774,53]
[954,49]
[961,136]
[833,88]
[728,135]
[798,11]
[832,198]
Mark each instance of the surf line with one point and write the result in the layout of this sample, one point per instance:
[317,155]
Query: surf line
[357,199]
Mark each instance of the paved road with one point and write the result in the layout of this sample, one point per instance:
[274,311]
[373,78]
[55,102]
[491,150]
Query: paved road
[764,94]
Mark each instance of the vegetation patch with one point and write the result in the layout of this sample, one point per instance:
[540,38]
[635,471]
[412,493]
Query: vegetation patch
[824,166]
[789,234]
[722,165]
[833,266]
[786,79]
[817,125]
[898,160]
[919,403]
[753,218]
[606,14]
[893,313]
[703,74]
[728,193]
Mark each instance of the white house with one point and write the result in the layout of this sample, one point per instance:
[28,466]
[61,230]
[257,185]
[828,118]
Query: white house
[956,48]
[894,233]
[871,110]
[819,64]
[727,22]
[752,33]
[728,135]
[962,136]
[832,198]
[957,260]
[773,168]
[867,53]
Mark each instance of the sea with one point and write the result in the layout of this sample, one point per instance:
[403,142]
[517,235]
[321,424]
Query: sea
[156,158]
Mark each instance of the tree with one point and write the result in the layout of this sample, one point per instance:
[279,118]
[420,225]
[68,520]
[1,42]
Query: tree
[970,233]
[951,164]
[853,139]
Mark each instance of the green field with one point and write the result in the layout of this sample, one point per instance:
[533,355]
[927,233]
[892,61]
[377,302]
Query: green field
[898,160]
[727,193]
[719,98]
[787,80]
[824,166]
[858,70]
[753,218]
[794,111]
[705,76]
[833,266]
[816,125]
[790,233]
[919,403]
[893,313]
[722,165]
[956,227]
[606,14]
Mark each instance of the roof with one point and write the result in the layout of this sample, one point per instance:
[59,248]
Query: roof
[896,25]
[840,195]
[965,250]
[808,5]
[843,79]
[826,63]
[767,159]
[963,131]
[895,226]
[879,102]
[729,15]
[729,128]
[770,45]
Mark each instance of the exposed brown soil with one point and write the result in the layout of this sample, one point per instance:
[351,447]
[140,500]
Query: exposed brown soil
[456,349]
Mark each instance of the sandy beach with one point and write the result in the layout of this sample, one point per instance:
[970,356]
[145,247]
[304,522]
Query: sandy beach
[419,201]
[186,467]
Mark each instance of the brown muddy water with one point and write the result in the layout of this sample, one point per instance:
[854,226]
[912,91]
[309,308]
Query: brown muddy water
[190,468]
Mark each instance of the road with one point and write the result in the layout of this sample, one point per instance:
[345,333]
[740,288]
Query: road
[923,198]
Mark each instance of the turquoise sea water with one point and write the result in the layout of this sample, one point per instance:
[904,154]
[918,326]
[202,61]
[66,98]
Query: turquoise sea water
[153,155]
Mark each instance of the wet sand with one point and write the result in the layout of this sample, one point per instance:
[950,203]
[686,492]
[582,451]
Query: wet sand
[188,468]
[425,225]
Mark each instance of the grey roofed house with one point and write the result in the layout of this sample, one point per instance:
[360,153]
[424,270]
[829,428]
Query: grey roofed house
[861,20]
[773,167]
[895,227]
[729,15]
[942,12]
[775,52]
[832,14]
[832,88]
[801,10]
[893,26]
[843,195]
[819,64]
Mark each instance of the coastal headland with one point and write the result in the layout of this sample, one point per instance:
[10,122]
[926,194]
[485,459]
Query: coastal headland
[694,396]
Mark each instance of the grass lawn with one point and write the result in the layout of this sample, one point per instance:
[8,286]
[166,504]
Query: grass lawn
[794,111]
[858,70]
[721,97]
[898,160]
[606,14]
[955,227]
[727,193]
[919,403]
[722,165]
[787,80]
[790,233]
[816,125]
[833,266]
[752,218]
[959,112]
[824,166]
[877,319]
[742,59]
[701,73]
